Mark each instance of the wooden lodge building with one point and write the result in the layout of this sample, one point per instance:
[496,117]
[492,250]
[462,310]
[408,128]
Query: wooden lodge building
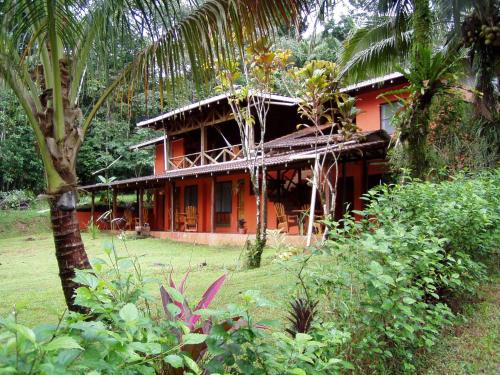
[201,192]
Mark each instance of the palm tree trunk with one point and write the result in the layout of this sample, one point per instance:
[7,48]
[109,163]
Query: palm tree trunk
[70,252]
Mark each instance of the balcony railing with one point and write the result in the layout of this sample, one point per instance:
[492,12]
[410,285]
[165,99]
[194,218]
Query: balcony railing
[214,156]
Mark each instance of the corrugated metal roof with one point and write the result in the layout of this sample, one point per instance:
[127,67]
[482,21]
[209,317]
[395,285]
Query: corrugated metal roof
[225,96]
[373,81]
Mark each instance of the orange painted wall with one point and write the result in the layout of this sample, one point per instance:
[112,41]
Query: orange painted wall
[159,161]
[177,147]
[369,104]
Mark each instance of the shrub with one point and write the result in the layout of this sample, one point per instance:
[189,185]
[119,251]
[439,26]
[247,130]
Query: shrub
[119,335]
[392,275]
[16,199]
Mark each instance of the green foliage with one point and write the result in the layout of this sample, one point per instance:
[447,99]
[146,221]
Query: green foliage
[386,286]
[119,335]
[93,229]
[16,199]
[252,349]
[391,278]
[20,166]
[431,75]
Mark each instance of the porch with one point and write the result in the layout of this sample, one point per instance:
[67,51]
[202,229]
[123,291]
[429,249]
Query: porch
[196,203]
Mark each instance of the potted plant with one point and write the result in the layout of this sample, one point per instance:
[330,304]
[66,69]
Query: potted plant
[241,226]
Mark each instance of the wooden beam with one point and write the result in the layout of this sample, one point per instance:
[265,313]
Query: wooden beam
[209,120]
[172,209]
[114,207]
[92,206]
[212,210]
[203,140]
[141,204]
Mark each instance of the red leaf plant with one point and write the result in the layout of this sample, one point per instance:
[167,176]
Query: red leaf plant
[189,316]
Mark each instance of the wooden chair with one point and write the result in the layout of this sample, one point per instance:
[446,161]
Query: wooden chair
[178,220]
[283,219]
[129,219]
[191,224]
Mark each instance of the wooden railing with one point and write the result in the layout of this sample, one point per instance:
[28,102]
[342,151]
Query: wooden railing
[214,156]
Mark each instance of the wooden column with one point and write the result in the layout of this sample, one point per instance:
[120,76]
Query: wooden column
[365,176]
[92,206]
[313,202]
[203,143]
[172,208]
[141,204]
[114,208]
[279,184]
[212,211]
[328,192]
[344,185]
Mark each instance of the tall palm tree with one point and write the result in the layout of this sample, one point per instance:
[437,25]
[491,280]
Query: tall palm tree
[44,49]
[481,33]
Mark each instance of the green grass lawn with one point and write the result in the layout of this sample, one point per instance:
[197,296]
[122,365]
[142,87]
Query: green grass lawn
[29,275]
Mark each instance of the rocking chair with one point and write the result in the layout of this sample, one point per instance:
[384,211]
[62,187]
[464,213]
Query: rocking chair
[282,218]
[191,224]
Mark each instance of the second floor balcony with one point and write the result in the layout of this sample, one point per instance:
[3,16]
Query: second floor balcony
[213,156]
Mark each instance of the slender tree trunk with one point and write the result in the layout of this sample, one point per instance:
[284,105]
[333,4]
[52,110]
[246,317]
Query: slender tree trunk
[419,123]
[70,252]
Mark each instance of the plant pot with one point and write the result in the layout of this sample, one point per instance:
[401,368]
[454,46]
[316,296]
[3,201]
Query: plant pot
[242,230]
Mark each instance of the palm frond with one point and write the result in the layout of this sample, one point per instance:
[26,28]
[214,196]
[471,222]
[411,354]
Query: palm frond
[374,49]
[209,34]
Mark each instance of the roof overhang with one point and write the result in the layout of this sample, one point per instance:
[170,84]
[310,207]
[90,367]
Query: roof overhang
[376,82]
[222,98]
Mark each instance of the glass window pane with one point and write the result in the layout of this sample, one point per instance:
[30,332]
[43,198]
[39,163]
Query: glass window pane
[387,112]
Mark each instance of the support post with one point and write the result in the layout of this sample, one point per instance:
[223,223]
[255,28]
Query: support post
[365,176]
[328,201]
[92,207]
[203,140]
[313,202]
[172,209]
[344,186]
[114,208]
[212,210]
[141,204]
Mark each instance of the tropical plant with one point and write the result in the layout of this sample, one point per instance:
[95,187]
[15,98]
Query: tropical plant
[301,316]
[430,76]
[250,87]
[119,335]
[481,33]
[318,87]
[176,306]
[393,278]
[44,49]
[398,35]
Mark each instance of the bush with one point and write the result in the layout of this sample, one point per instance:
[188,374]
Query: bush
[16,199]
[393,275]
[119,335]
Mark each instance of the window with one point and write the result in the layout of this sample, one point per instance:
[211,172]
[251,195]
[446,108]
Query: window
[223,203]
[191,196]
[387,112]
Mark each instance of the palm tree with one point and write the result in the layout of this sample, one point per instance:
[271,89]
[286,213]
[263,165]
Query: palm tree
[399,35]
[481,33]
[45,46]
